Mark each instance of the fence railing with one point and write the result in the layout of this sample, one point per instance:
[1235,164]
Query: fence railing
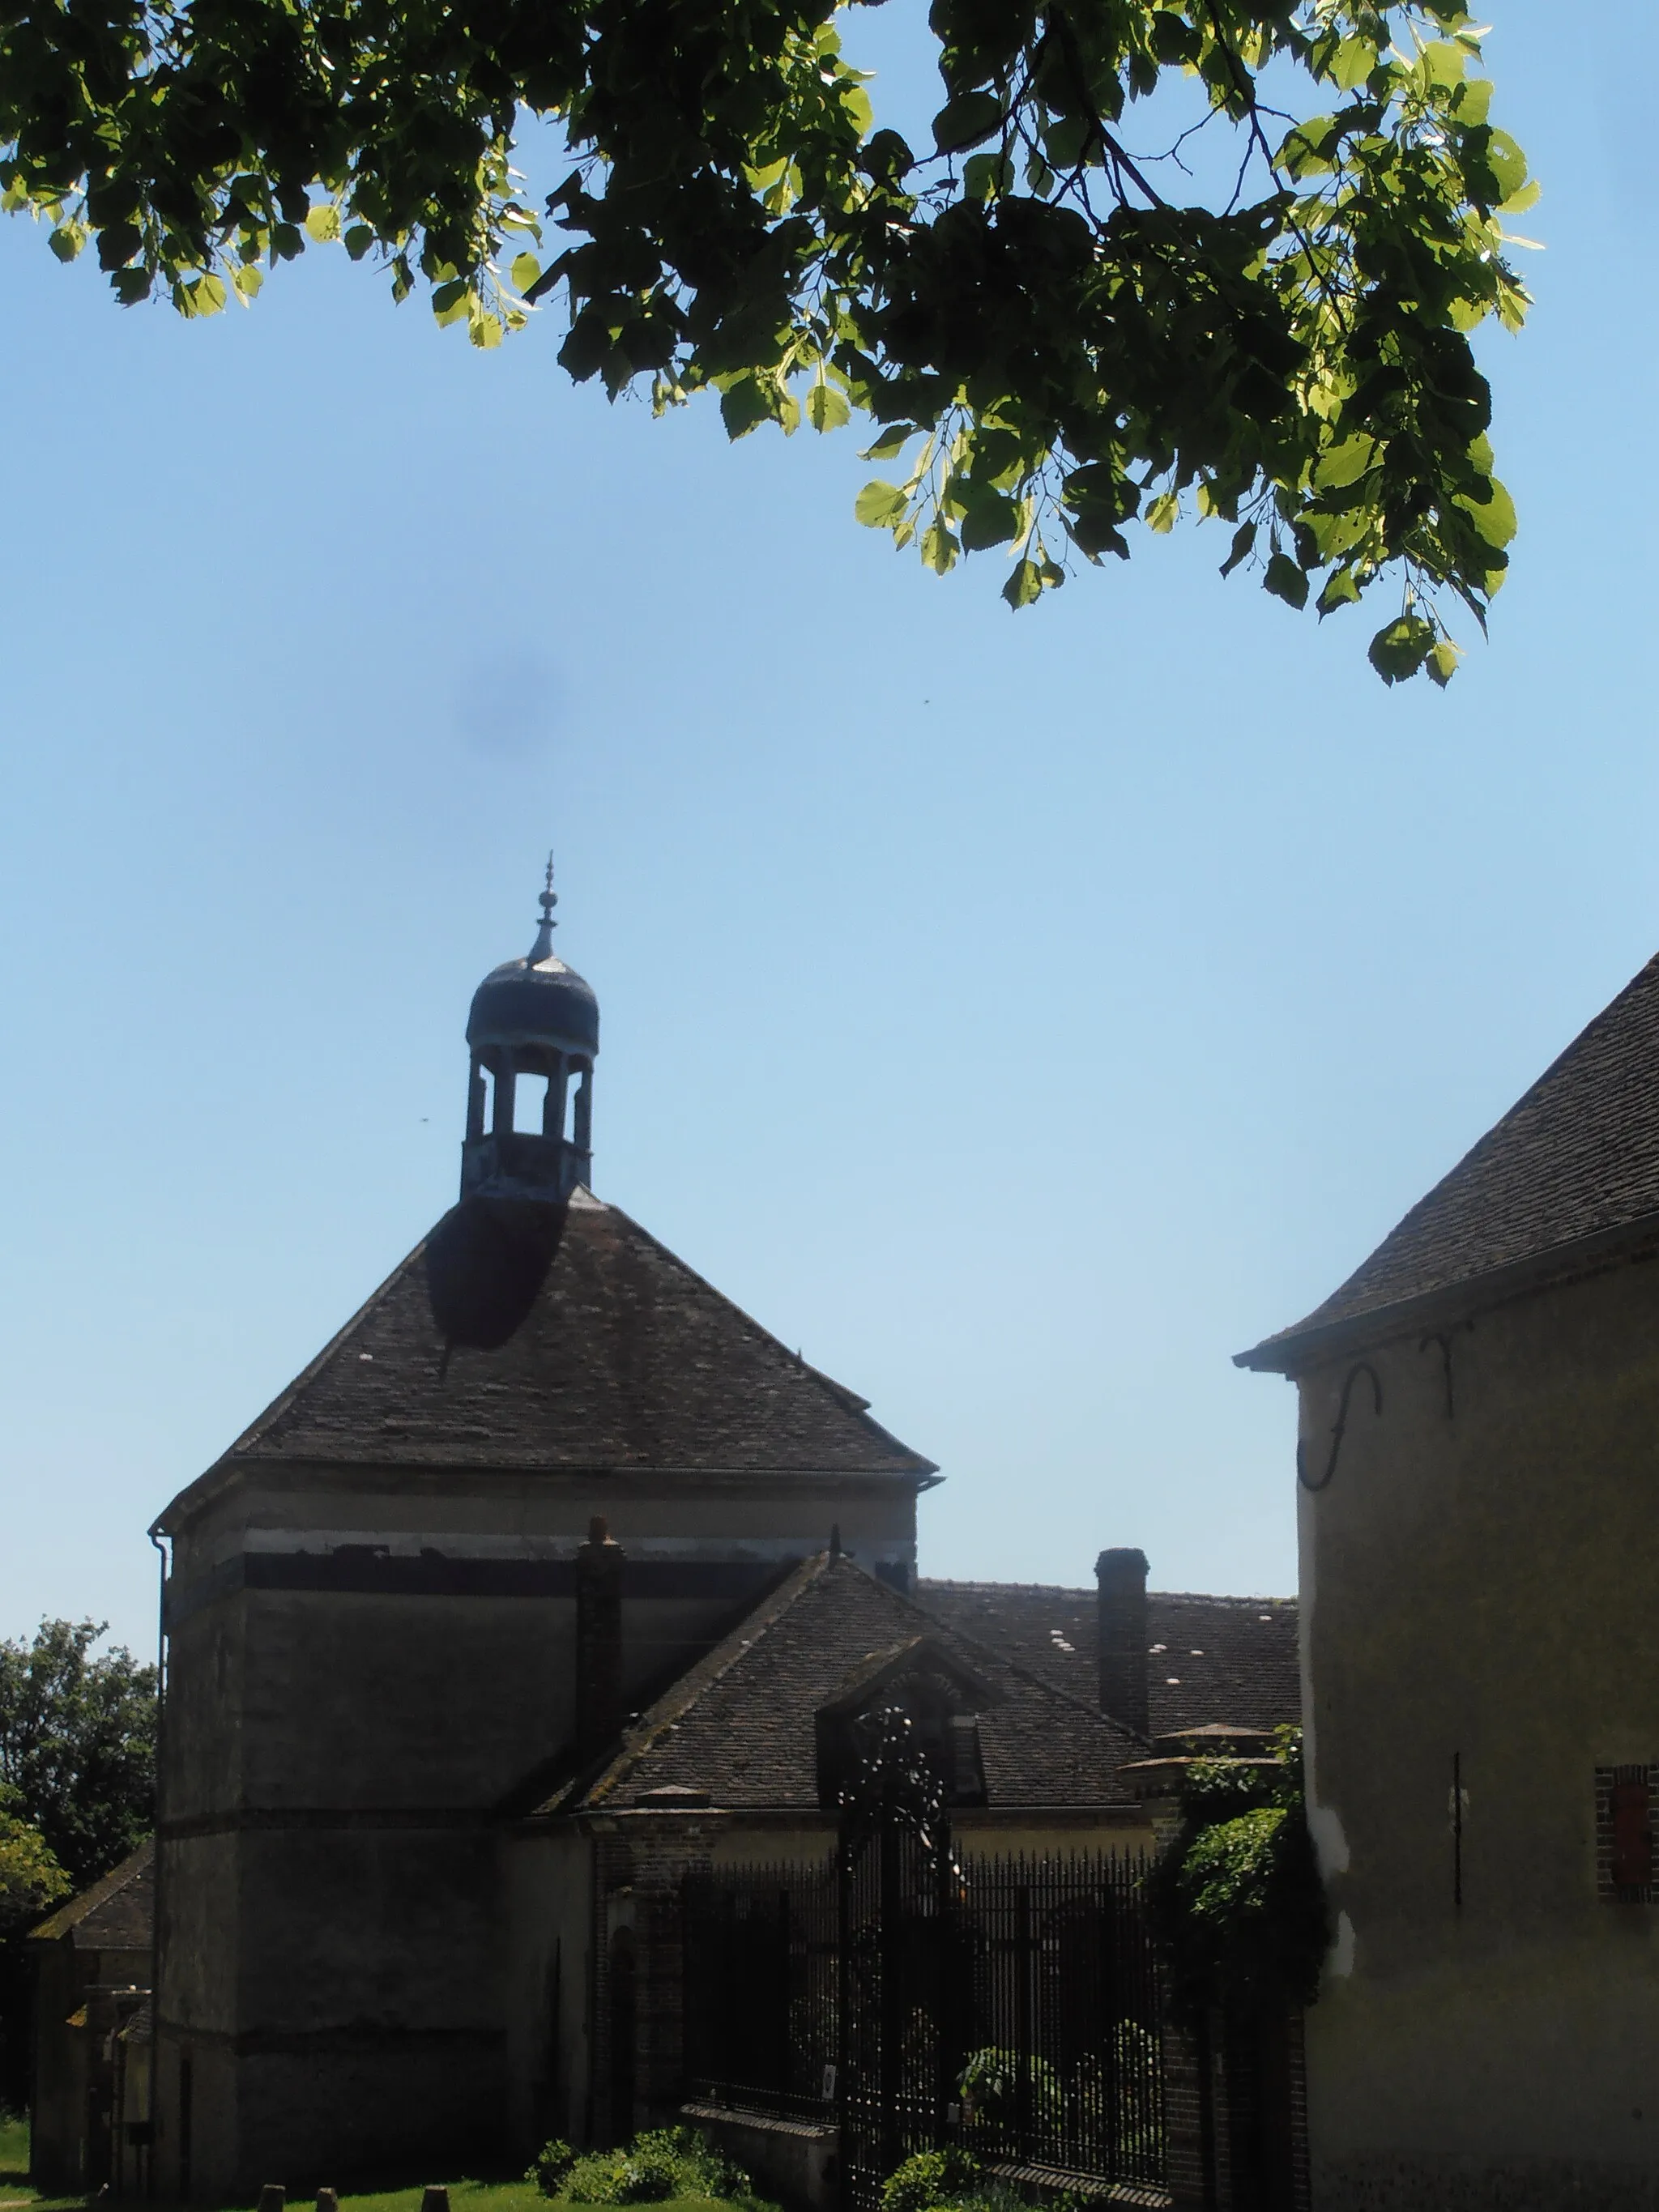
[1014,2008]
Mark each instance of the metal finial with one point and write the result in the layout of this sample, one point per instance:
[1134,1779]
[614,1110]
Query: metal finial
[543,948]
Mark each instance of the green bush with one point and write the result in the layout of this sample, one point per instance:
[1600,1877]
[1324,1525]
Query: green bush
[989,2083]
[662,2163]
[550,2165]
[931,2179]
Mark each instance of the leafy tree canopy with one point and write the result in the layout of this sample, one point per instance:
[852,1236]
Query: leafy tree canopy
[1056,332]
[31,1880]
[77,1744]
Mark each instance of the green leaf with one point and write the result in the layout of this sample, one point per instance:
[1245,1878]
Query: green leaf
[826,408]
[879,505]
[989,521]
[744,405]
[485,330]
[1344,464]
[1164,512]
[358,239]
[1495,520]
[1066,141]
[525,270]
[855,106]
[1442,663]
[963,122]
[450,302]
[893,440]
[985,176]
[1286,581]
[1243,546]
[1024,584]
[939,549]
[1352,63]
[1340,590]
[1400,650]
[323,223]
[1507,163]
[65,242]
[248,280]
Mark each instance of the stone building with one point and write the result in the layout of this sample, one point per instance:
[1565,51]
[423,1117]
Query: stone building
[443,1623]
[92,1960]
[1480,1403]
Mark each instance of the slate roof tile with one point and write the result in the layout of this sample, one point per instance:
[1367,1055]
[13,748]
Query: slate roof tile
[741,1725]
[118,1913]
[1576,1158]
[1228,1659]
[626,1359]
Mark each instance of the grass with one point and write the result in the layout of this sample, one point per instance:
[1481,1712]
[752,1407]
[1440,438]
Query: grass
[463,2195]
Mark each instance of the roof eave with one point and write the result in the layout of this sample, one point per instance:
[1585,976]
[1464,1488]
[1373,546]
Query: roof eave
[1310,1343]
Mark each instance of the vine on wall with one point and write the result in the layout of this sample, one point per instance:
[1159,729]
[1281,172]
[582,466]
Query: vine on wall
[1236,1899]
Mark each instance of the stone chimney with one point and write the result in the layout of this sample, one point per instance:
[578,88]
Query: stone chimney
[598,1641]
[1120,1576]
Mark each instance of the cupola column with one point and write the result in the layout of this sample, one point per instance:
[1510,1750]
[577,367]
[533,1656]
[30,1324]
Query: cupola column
[507,1083]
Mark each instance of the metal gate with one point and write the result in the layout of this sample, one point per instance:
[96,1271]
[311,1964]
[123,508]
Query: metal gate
[906,1987]
[1012,2006]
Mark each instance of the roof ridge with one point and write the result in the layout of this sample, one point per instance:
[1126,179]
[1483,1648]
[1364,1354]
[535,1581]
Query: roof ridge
[71,1914]
[1065,1589]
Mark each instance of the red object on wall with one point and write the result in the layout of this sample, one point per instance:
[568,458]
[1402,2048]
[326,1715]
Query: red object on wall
[1633,1835]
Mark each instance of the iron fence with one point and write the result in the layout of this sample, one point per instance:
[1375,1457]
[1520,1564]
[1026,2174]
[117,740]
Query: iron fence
[1012,2006]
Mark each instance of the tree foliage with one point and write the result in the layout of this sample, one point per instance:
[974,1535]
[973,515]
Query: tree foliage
[77,1744]
[1057,331]
[31,1880]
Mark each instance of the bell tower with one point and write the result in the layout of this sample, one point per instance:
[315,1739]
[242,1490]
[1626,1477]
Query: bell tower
[534,1033]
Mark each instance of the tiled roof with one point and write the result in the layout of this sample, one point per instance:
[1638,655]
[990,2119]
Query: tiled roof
[1228,1659]
[118,1913]
[1578,1158]
[626,1359]
[741,1725]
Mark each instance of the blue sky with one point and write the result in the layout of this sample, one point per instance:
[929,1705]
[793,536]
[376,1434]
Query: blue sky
[1020,1014]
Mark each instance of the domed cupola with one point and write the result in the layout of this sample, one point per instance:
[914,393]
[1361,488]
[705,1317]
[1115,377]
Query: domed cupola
[534,1030]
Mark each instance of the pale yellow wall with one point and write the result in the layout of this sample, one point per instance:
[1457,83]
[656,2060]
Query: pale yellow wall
[1487,1585]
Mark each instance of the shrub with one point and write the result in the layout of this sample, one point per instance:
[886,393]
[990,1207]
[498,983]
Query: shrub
[933,2178]
[550,2165]
[660,2163]
[989,2083]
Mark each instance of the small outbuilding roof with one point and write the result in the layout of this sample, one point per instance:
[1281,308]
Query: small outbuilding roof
[1229,1660]
[118,1913]
[1573,1165]
[626,1360]
[739,1728]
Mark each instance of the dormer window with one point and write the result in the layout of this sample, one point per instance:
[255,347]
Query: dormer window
[939,1698]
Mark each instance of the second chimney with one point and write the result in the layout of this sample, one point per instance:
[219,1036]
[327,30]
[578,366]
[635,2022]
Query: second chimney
[1120,1576]
[598,1641]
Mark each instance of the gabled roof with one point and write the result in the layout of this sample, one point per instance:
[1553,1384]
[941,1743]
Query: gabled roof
[741,1725]
[1231,1660]
[118,1913]
[626,1360]
[1573,1164]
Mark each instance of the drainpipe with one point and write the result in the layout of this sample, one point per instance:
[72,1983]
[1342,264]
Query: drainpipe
[158,1877]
